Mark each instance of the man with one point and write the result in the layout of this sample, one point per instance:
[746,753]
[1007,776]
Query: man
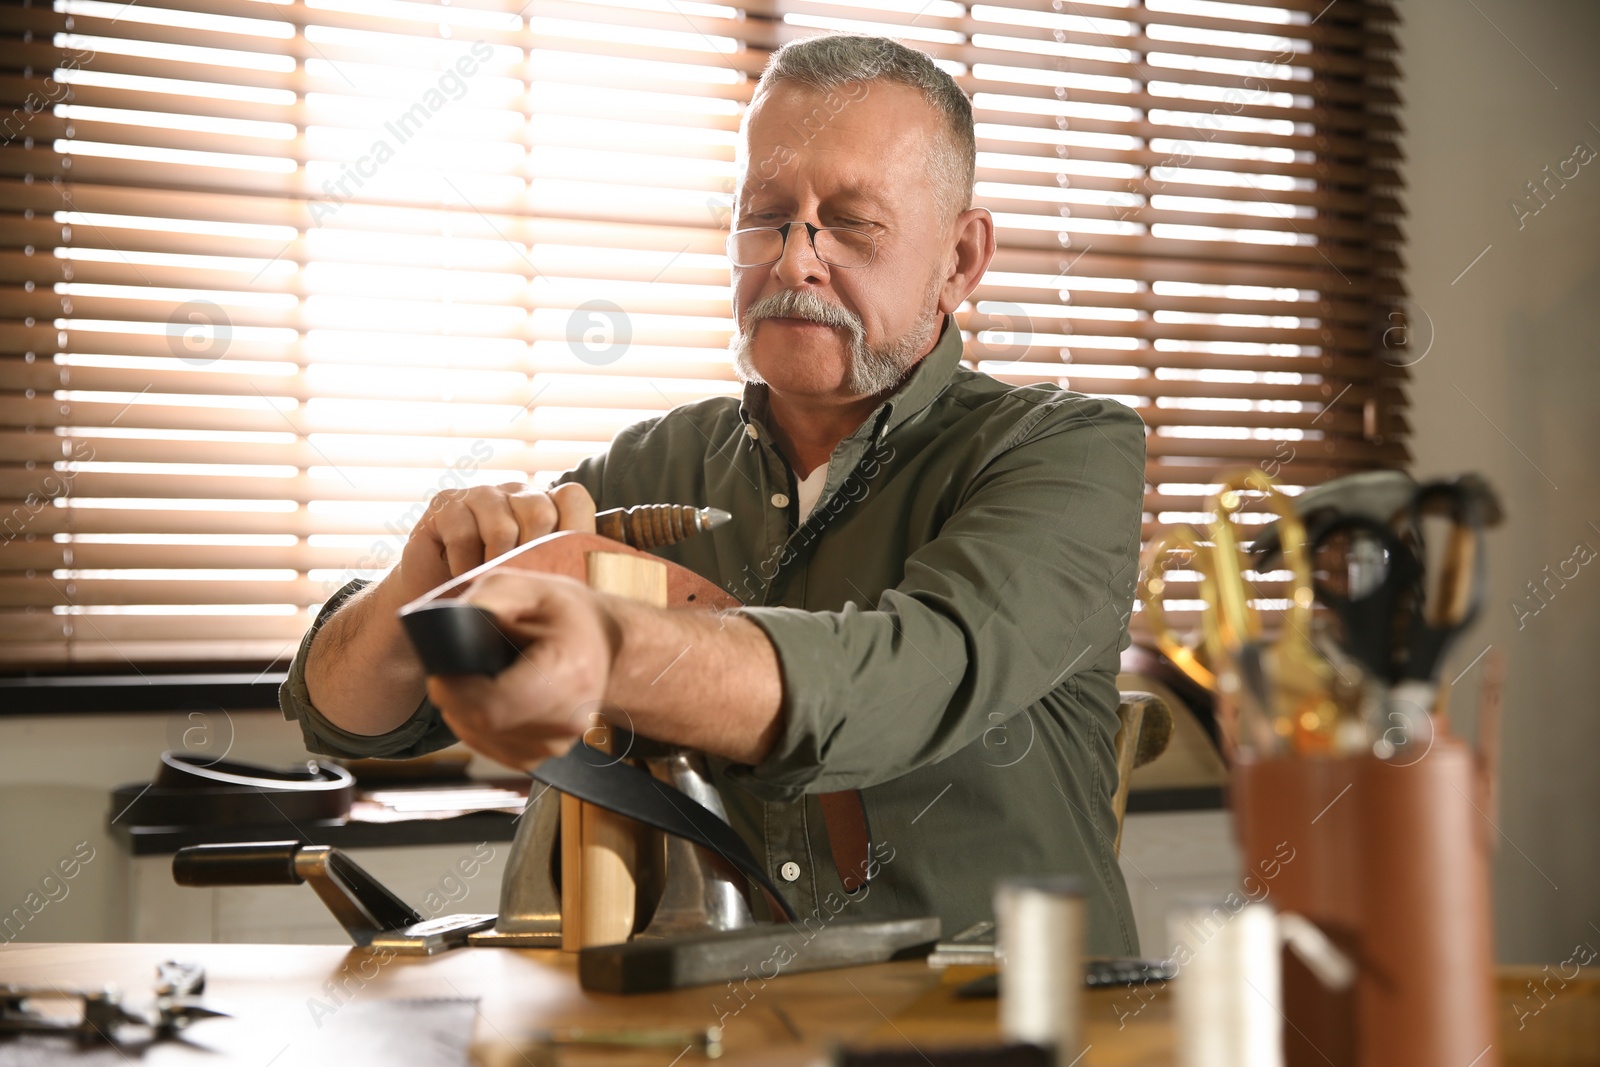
[938,567]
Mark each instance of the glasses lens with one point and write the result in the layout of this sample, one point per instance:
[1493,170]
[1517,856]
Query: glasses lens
[844,248]
[752,248]
[840,248]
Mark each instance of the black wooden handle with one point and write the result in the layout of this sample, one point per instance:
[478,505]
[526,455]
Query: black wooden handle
[245,863]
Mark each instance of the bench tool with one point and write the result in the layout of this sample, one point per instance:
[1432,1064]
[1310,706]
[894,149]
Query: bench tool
[708,869]
[372,915]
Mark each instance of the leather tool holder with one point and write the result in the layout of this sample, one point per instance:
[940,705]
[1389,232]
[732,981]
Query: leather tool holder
[1390,861]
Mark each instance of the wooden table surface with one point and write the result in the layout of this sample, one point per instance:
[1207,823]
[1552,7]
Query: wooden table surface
[278,991]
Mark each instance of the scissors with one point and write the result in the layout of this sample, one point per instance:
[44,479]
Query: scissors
[1286,684]
[1392,623]
[102,1015]
[1181,544]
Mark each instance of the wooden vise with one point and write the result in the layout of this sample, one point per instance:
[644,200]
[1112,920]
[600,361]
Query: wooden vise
[599,850]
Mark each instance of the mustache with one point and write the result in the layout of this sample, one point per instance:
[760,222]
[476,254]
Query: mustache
[799,304]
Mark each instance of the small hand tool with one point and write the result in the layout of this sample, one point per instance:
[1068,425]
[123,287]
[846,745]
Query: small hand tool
[103,1015]
[648,526]
[370,913]
[1398,628]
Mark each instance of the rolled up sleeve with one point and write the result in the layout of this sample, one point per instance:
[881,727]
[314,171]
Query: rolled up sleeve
[424,732]
[1029,581]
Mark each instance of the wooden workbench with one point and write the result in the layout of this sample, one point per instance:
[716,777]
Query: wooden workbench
[270,989]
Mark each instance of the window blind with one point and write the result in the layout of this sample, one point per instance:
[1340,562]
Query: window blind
[276,272]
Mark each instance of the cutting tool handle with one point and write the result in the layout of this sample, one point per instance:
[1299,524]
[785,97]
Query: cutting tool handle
[246,863]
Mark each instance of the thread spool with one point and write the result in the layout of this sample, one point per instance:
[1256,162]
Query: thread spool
[1228,993]
[1039,940]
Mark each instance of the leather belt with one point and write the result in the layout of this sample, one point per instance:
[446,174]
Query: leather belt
[605,781]
[849,839]
[194,790]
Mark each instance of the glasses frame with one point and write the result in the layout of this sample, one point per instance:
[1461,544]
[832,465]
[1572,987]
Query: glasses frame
[811,236]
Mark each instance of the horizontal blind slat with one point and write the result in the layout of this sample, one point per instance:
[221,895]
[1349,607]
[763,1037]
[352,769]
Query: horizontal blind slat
[1198,213]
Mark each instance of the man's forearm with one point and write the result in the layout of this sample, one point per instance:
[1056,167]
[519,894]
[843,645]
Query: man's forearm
[361,672]
[707,680]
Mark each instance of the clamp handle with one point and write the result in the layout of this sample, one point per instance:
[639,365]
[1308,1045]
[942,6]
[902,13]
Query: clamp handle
[245,863]
[363,905]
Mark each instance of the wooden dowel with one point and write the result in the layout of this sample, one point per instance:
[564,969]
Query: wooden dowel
[598,885]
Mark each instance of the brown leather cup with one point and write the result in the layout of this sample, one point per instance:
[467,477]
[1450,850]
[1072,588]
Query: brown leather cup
[1390,862]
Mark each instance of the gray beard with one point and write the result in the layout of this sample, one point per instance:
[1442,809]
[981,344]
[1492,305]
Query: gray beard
[871,370]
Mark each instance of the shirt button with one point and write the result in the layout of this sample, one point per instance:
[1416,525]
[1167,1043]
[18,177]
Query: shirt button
[752,433]
[790,871]
[780,500]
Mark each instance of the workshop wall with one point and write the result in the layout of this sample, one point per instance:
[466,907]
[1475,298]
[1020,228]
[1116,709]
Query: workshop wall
[1511,387]
[56,777]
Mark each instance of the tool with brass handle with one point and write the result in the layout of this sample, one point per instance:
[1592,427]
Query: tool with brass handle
[1282,689]
[1181,545]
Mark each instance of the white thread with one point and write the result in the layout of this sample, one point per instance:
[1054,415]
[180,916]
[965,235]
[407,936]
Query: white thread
[1039,941]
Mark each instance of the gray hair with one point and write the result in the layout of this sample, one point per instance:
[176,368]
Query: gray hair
[837,60]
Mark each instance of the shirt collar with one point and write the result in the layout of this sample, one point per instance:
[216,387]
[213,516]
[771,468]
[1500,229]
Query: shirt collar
[920,388]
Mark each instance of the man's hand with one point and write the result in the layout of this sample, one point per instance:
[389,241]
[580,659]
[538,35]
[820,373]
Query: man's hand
[708,680]
[463,528]
[698,678]
[556,689]
[361,672]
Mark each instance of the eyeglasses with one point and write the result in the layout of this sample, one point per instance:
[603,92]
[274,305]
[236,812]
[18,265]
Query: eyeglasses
[834,245]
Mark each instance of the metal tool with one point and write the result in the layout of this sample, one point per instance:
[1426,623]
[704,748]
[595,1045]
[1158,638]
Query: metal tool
[650,526]
[707,1041]
[103,1015]
[702,891]
[765,949]
[530,891]
[1283,688]
[972,947]
[372,915]
[1393,620]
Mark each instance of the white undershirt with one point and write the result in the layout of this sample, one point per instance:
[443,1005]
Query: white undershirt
[809,489]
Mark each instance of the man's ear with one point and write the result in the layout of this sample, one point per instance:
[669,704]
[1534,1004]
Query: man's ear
[974,250]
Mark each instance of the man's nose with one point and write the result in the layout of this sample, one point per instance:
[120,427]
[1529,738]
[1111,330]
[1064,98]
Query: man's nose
[799,264]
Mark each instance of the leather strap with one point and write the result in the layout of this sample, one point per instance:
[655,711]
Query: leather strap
[196,790]
[849,840]
[605,781]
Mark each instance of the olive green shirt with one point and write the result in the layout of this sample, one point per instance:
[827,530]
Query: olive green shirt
[947,620]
